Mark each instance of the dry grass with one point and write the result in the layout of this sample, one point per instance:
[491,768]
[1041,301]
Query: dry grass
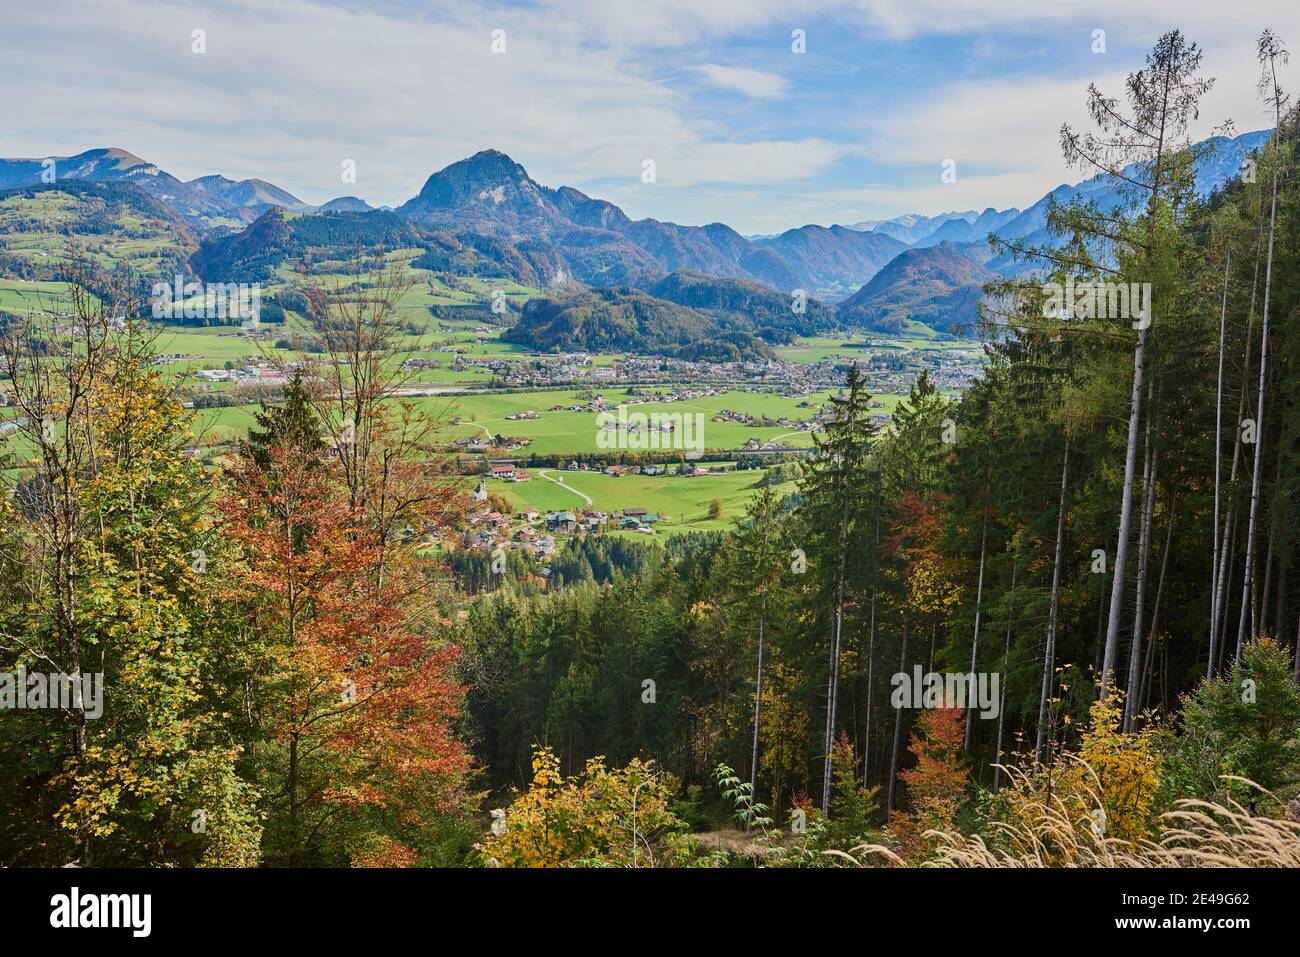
[1195,834]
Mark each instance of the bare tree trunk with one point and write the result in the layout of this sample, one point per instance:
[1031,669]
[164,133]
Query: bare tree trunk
[1155,611]
[758,701]
[1218,458]
[1002,708]
[1247,600]
[833,682]
[871,651]
[1125,518]
[1218,632]
[1279,610]
[1259,610]
[1150,469]
[1049,654]
[975,642]
[292,787]
[1223,618]
[898,719]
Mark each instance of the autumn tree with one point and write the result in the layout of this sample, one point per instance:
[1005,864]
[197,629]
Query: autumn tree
[936,786]
[357,707]
[118,568]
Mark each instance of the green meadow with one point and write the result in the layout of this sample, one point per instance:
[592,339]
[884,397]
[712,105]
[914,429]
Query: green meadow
[681,503]
[555,433]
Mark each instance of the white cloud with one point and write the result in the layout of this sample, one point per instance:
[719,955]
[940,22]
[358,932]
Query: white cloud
[753,83]
[1003,134]
[290,88]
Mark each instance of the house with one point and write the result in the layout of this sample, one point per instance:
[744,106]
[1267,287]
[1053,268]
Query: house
[649,519]
[561,521]
[503,472]
[652,470]
[630,522]
[530,515]
[634,512]
[525,534]
[522,476]
[615,470]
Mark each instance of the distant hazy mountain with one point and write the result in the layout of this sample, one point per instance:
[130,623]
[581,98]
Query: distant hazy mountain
[977,229]
[832,257]
[94,165]
[938,281]
[911,227]
[345,204]
[1220,163]
[253,194]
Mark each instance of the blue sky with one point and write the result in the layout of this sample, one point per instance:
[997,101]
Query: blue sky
[741,129]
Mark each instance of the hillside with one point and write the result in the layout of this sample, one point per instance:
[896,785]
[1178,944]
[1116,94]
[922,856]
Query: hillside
[769,313]
[939,286]
[116,223]
[622,319]
[277,237]
[833,258]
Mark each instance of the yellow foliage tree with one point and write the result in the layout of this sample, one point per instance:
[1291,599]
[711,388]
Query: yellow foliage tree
[1106,791]
[603,817]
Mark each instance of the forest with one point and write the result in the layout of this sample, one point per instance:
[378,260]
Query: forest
[1102,531]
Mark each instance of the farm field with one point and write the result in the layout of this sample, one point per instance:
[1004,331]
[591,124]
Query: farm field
[137,243]
[575,432]
[22,296]
[685,501]
[816,348]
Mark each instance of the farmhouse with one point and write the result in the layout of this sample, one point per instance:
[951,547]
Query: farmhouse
[503,471]
[561,521]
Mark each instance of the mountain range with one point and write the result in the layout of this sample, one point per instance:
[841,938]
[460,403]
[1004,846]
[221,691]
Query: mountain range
[485,215]
[207,199]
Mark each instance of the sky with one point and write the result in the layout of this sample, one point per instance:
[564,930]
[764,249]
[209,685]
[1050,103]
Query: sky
[741,128]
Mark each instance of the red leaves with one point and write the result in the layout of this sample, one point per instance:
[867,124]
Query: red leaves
[350,681]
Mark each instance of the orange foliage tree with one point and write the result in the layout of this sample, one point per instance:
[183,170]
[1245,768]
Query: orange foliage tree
[936,785]
[359,708]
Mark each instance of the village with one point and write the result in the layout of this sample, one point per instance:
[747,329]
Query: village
[951,369]
[538,534]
